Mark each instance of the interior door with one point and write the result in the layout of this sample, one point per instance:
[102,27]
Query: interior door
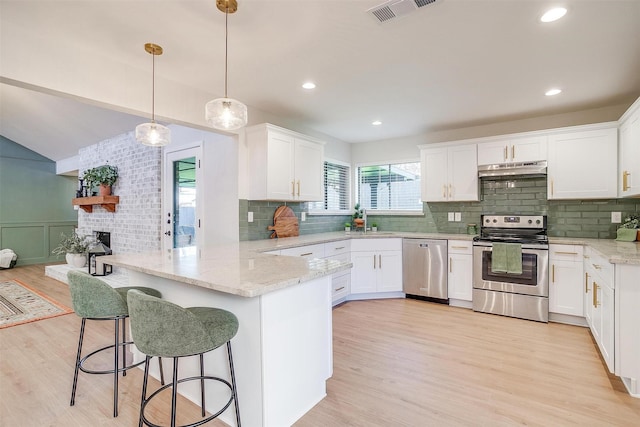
[181,180]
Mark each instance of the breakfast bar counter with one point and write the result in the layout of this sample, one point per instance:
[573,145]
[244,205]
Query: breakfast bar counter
[283,352]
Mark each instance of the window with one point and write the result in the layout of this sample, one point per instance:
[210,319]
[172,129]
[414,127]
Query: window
[336,188]
[390,187]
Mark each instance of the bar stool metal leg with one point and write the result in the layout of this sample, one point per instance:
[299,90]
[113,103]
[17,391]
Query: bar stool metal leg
[144,387]
[204,412]
[77,368]
[174,392]
[233,383]
[116,364]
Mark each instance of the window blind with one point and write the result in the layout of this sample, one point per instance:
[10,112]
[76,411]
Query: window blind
[336,188]
[390,186]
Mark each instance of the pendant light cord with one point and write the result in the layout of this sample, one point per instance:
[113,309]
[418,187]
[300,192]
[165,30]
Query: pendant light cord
[153,87]
[226,46]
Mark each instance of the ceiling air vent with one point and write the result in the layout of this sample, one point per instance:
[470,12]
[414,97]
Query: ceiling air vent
[396,8]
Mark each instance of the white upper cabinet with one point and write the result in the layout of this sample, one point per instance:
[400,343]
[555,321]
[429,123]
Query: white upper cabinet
[583,164]
[524,149]
[283,165]
[449,173]
[629,171]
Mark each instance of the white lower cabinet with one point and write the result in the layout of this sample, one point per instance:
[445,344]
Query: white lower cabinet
[565,280]
[460,273]
[377,266]
[600,304]
[341,281]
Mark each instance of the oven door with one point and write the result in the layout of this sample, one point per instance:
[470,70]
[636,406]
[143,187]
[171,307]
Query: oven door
[534,279]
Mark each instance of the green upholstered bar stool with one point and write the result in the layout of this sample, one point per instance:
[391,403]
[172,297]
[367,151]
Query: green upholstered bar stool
[93,299]
[161,328]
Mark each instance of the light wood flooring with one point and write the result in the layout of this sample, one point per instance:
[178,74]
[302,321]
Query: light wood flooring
[396,363]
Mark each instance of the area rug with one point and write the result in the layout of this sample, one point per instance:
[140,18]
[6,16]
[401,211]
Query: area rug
[20,304]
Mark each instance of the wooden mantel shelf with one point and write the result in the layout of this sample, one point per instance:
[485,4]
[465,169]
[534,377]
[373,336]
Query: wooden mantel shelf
[87,203]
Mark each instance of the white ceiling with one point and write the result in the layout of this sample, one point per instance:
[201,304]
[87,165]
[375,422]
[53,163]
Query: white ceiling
[452,64]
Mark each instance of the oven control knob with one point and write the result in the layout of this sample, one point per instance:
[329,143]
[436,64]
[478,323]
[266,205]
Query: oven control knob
[495,220]
[487,220]
[537,221]
[530,221]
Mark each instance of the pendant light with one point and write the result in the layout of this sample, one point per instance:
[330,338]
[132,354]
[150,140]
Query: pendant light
[153,134]
[226,113]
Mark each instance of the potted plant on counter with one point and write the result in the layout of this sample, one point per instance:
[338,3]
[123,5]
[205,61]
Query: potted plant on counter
[374,227]
[629,231]
[347,226]
[357,216]
[74,248]
[104,176]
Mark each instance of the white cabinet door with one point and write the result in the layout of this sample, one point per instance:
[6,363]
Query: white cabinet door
[449,173]
[528,149]
[565,284]
[280,176]
[460,275]
[364,272]
[525,149]
[606,301]
[583,165]
[308,170]
[463,173]
[630,156]
[434,165]
[389,274]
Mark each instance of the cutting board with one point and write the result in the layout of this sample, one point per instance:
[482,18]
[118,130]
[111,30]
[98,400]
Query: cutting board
[285,223]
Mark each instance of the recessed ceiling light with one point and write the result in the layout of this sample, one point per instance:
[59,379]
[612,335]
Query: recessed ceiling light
[309,85]
[376,123]
[552,92]
[553,14]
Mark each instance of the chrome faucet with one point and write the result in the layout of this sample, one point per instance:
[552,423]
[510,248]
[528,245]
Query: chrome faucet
[364,217]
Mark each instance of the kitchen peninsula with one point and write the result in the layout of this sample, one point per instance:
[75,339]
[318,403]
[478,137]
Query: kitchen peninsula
[283,348]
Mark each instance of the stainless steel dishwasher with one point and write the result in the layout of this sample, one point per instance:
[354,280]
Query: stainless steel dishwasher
[424,269]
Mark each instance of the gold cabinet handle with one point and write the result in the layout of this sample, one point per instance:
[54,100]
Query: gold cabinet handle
[553,273]
[586,283]
[625,180]
[337,249]
[552,186]
[586,256]
[374,262]
[379,261]
[566,253]
[597,266]
[339,289]
[293,188]
[595,294]
[513,152]
[450,265]
[307,254]
[459,247]
[506,151]
[298,188]
[444,191]
[450,191]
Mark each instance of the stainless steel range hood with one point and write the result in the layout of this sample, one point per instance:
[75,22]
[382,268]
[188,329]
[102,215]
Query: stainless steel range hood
[524,169]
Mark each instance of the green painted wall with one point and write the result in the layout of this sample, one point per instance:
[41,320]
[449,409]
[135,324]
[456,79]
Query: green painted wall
[565,218]
[35,203]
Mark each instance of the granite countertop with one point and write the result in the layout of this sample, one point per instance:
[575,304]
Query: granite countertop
[244,269]
[615,252]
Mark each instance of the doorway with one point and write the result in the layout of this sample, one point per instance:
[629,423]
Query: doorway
[182,219]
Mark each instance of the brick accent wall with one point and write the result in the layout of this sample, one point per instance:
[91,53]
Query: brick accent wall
[136,224]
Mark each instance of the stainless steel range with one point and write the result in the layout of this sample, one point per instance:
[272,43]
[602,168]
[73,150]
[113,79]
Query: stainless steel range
[522,293]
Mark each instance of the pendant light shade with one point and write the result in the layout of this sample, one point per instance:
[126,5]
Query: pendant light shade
[153,134]
[226,113]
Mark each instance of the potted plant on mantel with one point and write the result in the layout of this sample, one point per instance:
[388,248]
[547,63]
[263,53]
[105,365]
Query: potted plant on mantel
[74,248]
[104,176]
